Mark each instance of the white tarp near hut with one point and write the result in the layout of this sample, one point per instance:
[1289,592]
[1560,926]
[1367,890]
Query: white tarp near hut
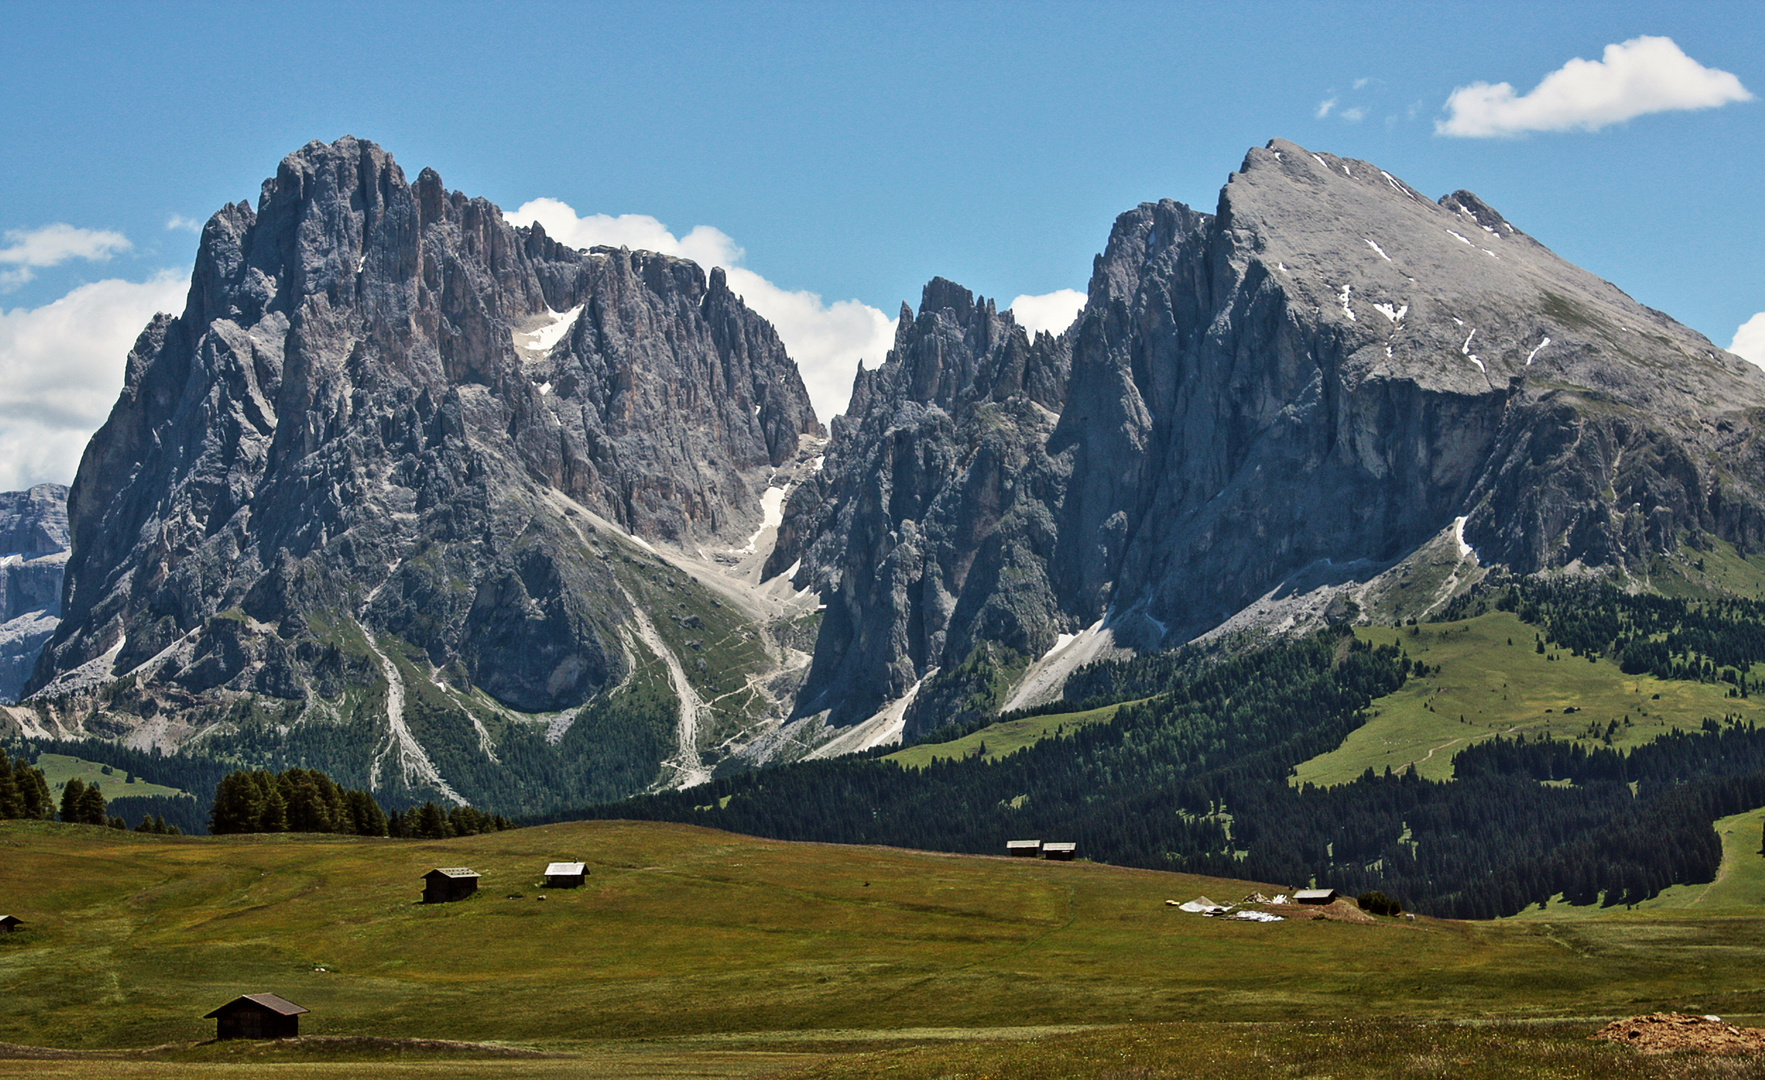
[1201,905]
[1255,916]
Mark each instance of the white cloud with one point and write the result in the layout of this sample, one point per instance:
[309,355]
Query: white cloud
[1324,107]
[1749,340]
[1052,312]
[826,340]
[28,250]
[180,223]
[1643,75]
[1354,115]
[61,366]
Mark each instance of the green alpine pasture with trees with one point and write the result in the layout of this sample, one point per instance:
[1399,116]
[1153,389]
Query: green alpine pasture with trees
[1197,772]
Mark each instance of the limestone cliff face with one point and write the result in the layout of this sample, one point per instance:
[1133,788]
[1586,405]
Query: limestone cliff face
[386,414]
[403,482]
[33,555]
[1333,368]
[929,531]
[1309,384]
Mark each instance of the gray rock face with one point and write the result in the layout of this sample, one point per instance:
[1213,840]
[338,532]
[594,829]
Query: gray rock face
[1330,371]
[929,529]
[33,555]
[392,469]
[1334,368]
[385,414]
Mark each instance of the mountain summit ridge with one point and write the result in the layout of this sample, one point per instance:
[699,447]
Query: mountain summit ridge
[450,507]
[374,442]
[1318,381]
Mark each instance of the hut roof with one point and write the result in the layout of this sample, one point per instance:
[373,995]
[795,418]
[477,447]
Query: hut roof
[563,869]
[452,872]
[1023,843]
[1314,896]
[279,1005]
[1060,845]
[11,920]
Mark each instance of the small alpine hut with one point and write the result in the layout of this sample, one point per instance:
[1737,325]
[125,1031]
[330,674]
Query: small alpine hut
[565,875]
[1023,849]
[1315,896]
[9,923]
[448,883]
[257,1016]
[1060,850]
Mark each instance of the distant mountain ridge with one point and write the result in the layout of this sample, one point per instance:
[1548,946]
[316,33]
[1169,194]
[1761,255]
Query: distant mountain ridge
[1301,406]
[33,556]
[396,460]
[447,507]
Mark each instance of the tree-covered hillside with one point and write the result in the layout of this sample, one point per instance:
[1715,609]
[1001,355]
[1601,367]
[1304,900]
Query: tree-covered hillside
[1198,778]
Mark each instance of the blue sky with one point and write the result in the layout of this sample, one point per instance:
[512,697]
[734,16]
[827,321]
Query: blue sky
[849,151]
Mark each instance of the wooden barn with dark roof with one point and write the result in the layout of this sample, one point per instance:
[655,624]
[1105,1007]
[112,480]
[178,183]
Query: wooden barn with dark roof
[257,1016]
[9,923]
[445,884]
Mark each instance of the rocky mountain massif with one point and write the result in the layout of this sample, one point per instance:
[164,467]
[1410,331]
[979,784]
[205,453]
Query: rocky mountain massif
[378,495]
[453,509]
[33,554]
[1333,397]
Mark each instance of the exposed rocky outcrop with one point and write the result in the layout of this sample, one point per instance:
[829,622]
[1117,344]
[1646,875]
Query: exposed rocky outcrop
[387,419]
[1334,368]
[33,555]
[930,530]
[407,488]
[1328,376]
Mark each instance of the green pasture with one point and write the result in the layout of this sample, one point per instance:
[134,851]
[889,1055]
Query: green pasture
[997,740]
[1487,687]
[58,769]
[685,935]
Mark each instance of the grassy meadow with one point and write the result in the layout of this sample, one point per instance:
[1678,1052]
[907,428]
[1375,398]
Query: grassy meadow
[997,740]
[1492,681]
[698,953]
[58,769]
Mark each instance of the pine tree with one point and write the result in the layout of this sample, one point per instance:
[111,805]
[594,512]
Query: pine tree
[70,799]
[366,818]
[238,805]
[12,804]
[33,790]
[431,823]
[275,808]
[89,809]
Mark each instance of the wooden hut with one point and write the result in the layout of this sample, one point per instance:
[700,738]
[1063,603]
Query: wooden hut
[257,1016]
[565,875]
[1315,896]
[9,923]
[1061,850]
[1023,849]
[448,883]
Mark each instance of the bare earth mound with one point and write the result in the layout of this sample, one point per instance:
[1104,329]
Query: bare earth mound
[1664,1033]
